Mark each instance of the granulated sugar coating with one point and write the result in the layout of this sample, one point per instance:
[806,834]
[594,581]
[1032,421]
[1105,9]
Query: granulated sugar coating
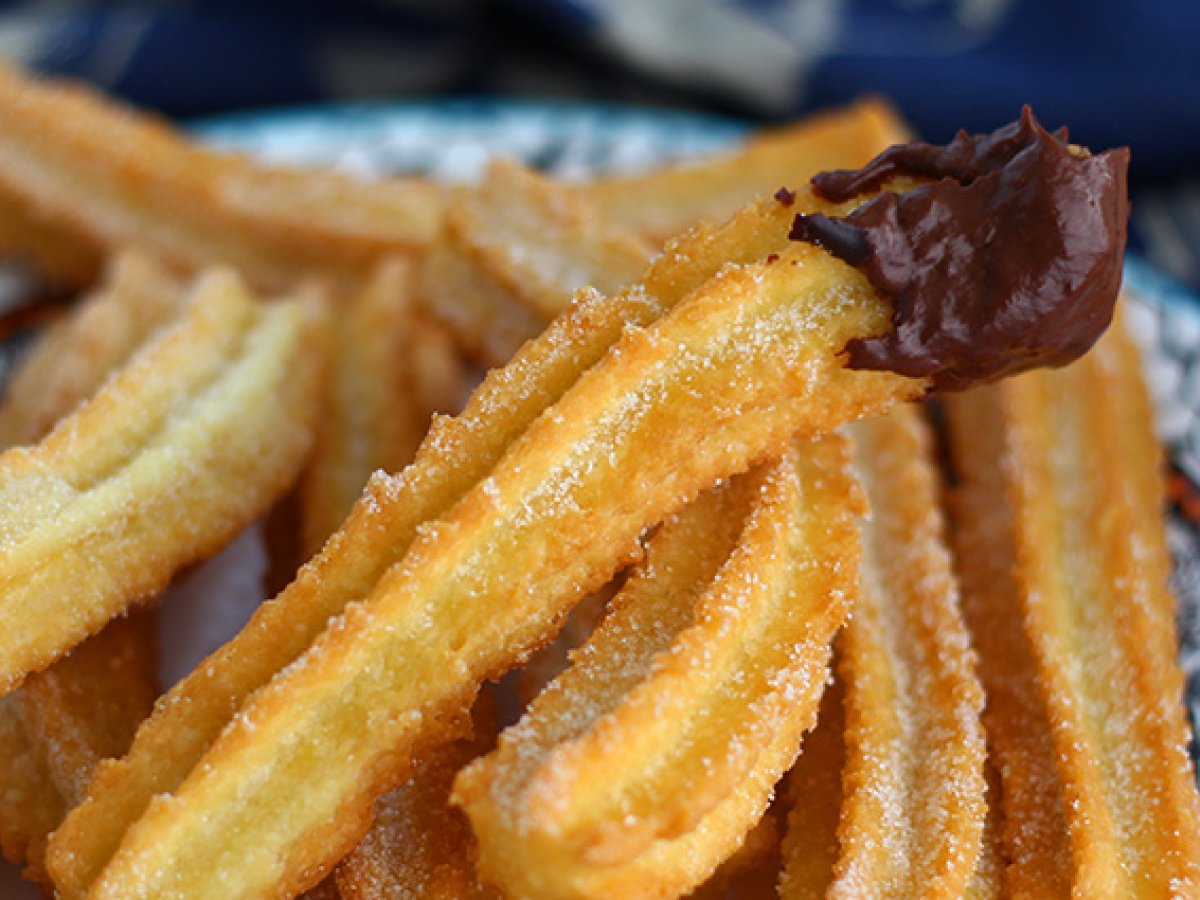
[647,761]
[721,381]
[912,805]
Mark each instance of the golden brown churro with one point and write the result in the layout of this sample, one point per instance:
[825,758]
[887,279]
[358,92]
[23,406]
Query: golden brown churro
[89,515]
[665,201]
[373,416]
[913,787]
[1072,456]
[30,807]
[749,359]
[87,705]
[419,845]
[120,178]
[457,454]
[912,806]
[814,801]
[72,358]
[644,765]
[623,411]
[512,252]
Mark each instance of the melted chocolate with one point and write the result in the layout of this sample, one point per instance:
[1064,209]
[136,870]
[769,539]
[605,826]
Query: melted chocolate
[1009,261]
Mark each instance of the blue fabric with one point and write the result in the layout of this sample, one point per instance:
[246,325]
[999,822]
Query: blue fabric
[1118,72]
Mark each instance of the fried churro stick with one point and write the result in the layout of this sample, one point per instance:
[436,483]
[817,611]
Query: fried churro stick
[87,706]
[215,412]
[726,378]
[30,806]
[419,845]
[814,801]
[751,356]
[665,201]
[512,252]
[644,765]
[1074,454]
[913,786]
[455,456]
[70,361]
[912,806]
[1034,826]
[373,417]
[122,178]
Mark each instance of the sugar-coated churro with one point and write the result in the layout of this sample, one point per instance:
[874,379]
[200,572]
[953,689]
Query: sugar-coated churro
[643,766]
[511,253]
[913,786]
[1034,827]
[912,793]
[751,356]
[665,201]
[456,455]
[372,417]
[121,178]
[70,360]
[419,845]
[90,523]
[1073,454]
[30,806]
[86,707]
[814,801]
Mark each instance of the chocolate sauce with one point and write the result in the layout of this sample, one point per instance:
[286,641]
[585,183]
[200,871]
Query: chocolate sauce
[1009,261]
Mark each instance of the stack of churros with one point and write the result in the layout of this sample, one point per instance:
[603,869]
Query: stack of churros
[682,601]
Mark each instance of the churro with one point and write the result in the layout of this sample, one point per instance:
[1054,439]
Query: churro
[913,787]
[912,793]
[455,456]
[665,201]
[419,845]
[86,706]
[813,790]
[30,807]
[512,252]
[90,514]
[1099,796]
[372,417]
[644,765]
[81,163]
[750,357]
[70,360]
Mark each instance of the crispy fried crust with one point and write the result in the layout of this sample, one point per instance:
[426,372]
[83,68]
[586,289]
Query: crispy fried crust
[79,163]
[90,521]
[30,806]
[726,378]
[83,707]
[1089,590]
[814,801]
[419,845]
[87,706]
[665,201]
[1033,827]
[913,785]
[373,417]
[71,360]
[644,765]
[511,253]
